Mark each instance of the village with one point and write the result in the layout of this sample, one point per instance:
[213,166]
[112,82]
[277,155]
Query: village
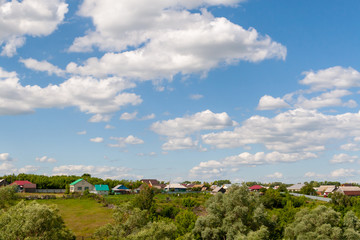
[82,185]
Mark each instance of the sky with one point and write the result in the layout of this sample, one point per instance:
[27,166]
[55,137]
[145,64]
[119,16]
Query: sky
[256,90]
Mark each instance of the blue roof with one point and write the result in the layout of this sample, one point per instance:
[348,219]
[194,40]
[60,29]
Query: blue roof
[101,187]
[120,187]
[75,182]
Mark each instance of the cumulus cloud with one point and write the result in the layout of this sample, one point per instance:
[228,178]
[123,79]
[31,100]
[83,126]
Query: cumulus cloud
[104,172]
[128,116]
[343,173]
[343,158]
[81,132]
[180,144]
[46,159]
[100,118]
[298,130]
[269,103]
[43,66]
[90,95]
[335,77]
[97,139]
[28,169]
[164,39]
[108,126]
[28,18]
[124,141]
[247,159]
[148,117]
[5,157]
[180,127]
[327,99]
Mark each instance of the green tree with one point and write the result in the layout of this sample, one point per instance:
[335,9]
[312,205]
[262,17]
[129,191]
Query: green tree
[308,189]
[319,223]
[235,215]
[185,222]
[7,196]
[33,221]
[221,182]
[145,199]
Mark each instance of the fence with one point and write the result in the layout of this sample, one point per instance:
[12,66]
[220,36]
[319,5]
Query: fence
[312,197]
[50,190]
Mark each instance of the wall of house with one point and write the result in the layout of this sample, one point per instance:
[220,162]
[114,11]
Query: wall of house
[82,186]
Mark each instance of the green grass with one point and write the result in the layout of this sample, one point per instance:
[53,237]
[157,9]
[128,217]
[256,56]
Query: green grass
[82,216]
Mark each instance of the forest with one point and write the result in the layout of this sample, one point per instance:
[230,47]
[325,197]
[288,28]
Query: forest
[237,214]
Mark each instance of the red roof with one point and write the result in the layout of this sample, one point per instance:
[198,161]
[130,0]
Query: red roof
[21,183]
[256,187]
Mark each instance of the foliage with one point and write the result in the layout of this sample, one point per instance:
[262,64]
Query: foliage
[7,196]
[188,203]
[236,215]
[145,199]
[185,222]
[308,189]
[272,199]
[33,221]
[319,223]
[221,182]
[169,212]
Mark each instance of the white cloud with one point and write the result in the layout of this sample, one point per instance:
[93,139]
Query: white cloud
[343,158]
[81,132]
[328,99]
[247,159]
[334,77]
[104,172]
[28,17]
[128,116]
[314,175]
[100,118]
[148,117]
[196,96]
[46,159]
[28,169]
[180,127]
[6,168]
[122,141]
[179,144]
[108,126]
[342,173]
[43,66]
[269,103]
[90,95]
[164,39]
[97,139]
[295,130]
[5,157]
[275,175]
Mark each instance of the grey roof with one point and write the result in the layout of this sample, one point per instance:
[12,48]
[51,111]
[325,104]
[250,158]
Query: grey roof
[297,186]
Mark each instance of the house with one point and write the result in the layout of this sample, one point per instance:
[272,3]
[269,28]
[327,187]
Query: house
[324,190]
[121,189]
[255,188]
[153,183]
[175,187]
[349,191]
[296,187]
[3,183]
[101,189]
[81,185]
[218,189]
[25,186]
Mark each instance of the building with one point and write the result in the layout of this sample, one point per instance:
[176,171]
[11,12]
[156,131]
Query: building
[25,186]
[218,189]
[3,183]
[121,189]
[175,187]
[324,190]
[296,187]
[153,183]
[101,189]
[81,185]
[255,188]
[349,191]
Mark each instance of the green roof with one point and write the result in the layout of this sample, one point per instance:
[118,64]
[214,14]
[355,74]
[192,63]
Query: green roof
[102,187]
[79,180]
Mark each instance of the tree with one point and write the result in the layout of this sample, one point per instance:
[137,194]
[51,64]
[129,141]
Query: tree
[238,214]
[185,222]
[308,189]
[7,196]
[319,223]
[145,199]
[33,221]
[221,182]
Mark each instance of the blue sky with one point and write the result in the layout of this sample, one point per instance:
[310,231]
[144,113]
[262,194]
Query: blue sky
[263,90]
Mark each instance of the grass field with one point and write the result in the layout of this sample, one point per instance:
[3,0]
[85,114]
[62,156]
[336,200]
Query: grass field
[82,216]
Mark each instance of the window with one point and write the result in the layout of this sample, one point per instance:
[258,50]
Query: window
[79,188]
[86,188]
